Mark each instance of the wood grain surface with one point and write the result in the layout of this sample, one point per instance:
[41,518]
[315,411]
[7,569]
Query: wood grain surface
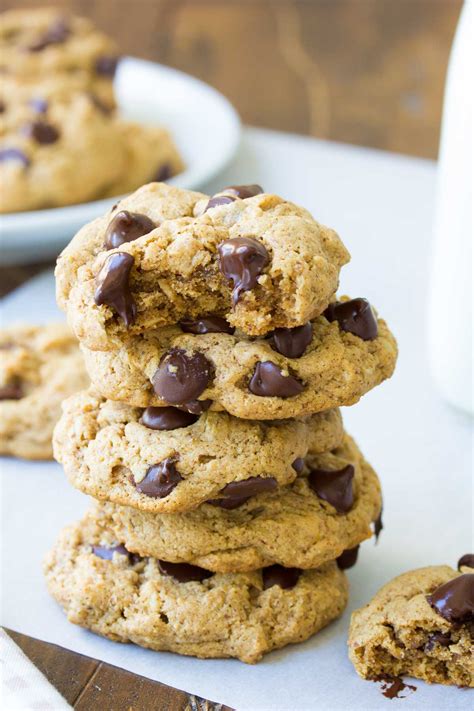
[369,72]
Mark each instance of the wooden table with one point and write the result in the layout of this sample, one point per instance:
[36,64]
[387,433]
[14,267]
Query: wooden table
[369,72]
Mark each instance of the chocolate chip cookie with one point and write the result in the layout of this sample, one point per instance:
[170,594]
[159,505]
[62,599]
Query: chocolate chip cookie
[183,608]
[420,624]
[39,367]
[36,44]
[165,254]
[166,459]
[328,510]
[329,362]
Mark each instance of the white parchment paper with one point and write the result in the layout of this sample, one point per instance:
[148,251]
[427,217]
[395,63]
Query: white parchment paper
[381,204]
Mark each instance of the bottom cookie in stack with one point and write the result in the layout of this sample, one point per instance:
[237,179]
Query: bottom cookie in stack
[183,608]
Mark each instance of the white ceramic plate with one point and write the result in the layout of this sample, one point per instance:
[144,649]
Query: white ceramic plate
[204,125]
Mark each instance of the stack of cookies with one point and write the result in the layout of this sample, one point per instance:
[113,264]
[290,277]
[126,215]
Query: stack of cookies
[61,140]
[230,499]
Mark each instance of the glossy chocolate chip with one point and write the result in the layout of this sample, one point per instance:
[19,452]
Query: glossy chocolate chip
[276,574]
[106,66]
[298,465]
[233,502]
[292,342]
[57,33]
[443,639]
[466,561]
[269,381]
[163,173]
[39,105]
[41,132]
[196,407]
[160,479]
[184,572]
[249,487]
[455,599]
[167,418]
[244,191]
[335,487]
[14,154]
[113,288]
[348,558]
[218,200]
[378,526]
[242,260]
[181,377]
[108,553]
[355,316]
[11,391]
[126,227]
[209,324]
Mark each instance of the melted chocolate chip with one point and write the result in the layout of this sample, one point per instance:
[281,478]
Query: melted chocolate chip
[298,465]
[126,227]
[108,553]
[11,391]
[14,154]
[393,686]
[348,558]
[443,639]
[41,132]
[57,33]
[455,599]
[106,66]
[167,418]
[195,407]
[39,105]
[184,572]
[211,324]
[378,526]
[244,191]
[335,487]
[242,260]
[276,574]
[233,502]
[160,479]
[292,342]
[268,381]
[249,487]
[180,377]
[466,561]
[219,200]
[163,173]
[355,316]
[113,288]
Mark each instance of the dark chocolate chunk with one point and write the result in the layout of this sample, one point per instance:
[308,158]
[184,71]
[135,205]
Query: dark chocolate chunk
[443,639]
[268,381]
[219,200]
[160,479]
[113,288]
[276,574]
[11,391]
[126,227]
[244,191]
[181,377]
[298,465]
[39,105]
[184,572]
[163,174]
[233,502]
[393,686]
[292,342]
[195,407]
[335,487]
[378,525]
[167,418]
[14,154]
[466,561]
[57,33]
[41,132]
[249,487]
[242,260]
[348,558]
[108,553]
[455,599]
[355,316]
[106,66]
[209,324]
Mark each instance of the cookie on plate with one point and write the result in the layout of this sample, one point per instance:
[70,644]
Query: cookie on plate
[165,459]
[39,367]
[329,362]
[183,608]
[166,254]
[49,43]
[306,523]
[419,624]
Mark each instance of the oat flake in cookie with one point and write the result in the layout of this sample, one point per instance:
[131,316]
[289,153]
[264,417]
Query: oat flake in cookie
[183,608]
[261,262]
